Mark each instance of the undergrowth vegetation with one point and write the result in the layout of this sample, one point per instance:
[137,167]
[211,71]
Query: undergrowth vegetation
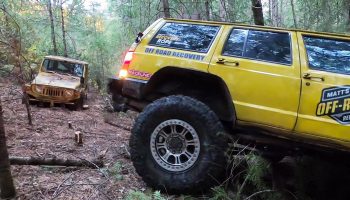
[252,177]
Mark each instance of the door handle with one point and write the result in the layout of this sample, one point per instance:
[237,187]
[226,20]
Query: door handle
[224,61]
[308,76]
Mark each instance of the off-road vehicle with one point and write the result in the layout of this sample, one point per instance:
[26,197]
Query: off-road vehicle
[195,80]
[60,80]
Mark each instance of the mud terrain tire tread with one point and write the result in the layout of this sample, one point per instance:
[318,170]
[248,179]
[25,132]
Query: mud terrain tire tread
[209,169]
[78,105]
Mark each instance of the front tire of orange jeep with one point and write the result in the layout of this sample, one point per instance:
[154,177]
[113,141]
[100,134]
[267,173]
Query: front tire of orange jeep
[178,145]
[78,105]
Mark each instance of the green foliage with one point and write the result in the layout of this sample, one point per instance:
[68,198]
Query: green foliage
[219,193]
[257,169]
[158,196]
[102,36]
[248,176]
[137,195]
[116,171]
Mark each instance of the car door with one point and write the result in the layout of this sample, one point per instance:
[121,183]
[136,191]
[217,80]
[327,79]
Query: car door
[325,99]
[262,72]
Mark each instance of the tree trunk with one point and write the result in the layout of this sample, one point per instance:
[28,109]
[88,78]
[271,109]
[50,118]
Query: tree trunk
[53,36]
[222,10]
[274,12]
[348,15]
[55,162]
[270,11]
[4,9]
[280,11]
[166,8]
[29,113]
[63,31]
[7,187]
[197,12]
[16,47]
[258,12]
[294,16]
[207,9]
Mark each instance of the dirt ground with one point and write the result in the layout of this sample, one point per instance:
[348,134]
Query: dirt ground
[50,137]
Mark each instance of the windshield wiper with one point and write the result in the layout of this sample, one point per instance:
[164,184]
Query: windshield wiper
[53,72]
[71,75]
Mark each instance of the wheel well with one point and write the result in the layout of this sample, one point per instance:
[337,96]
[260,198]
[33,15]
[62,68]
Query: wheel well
[208,88]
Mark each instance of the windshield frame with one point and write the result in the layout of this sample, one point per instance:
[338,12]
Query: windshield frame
[70,73]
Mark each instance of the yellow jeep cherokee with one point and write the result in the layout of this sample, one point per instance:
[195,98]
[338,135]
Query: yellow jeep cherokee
[194,80]
[60,80]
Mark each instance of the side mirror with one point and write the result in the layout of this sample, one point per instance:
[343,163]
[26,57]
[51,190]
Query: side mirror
[33,75]
[138,38]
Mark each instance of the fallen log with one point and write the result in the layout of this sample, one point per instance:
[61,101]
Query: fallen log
[117,125]
[14,160]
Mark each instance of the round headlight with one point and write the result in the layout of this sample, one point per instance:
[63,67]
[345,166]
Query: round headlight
[39,88]
[68,93]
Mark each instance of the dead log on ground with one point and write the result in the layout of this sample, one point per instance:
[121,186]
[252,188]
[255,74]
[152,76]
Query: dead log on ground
[110,120]
[55,162]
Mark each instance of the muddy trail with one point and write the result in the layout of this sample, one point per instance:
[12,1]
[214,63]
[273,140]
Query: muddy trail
[50,137]
[106,137]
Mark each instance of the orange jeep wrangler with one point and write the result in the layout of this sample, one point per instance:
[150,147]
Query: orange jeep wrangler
[60,80]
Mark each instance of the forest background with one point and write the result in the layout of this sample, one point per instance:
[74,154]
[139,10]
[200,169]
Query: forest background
[99,32]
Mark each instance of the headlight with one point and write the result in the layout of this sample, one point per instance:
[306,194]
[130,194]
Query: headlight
[39,88]
[68,93]
[26,87]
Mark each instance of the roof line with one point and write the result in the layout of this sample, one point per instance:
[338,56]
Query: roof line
[62,58]
[258,26]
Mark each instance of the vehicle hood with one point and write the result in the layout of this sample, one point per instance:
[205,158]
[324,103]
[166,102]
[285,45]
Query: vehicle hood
[57,80]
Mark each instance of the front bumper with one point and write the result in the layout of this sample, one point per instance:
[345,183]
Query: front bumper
[37,97]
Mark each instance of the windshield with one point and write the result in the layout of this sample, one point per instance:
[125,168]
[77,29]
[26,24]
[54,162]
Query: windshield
[63,67]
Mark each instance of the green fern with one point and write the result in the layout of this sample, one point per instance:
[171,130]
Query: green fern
[116,171]
[137,195]
[219,193]
[158,196]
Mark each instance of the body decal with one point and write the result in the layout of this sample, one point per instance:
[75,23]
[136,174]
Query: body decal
[335,103]
[191,56]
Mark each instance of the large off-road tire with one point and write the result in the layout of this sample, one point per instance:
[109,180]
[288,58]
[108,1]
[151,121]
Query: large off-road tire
[178,145]
[78,105]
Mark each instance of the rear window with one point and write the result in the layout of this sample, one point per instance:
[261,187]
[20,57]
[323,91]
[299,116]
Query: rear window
[328,54]
[190,37]
[259,45]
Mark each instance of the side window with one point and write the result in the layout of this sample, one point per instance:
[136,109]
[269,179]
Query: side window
[191,37]
[78,70]
[268,46]
[48,65]
[235,43]
[328,54]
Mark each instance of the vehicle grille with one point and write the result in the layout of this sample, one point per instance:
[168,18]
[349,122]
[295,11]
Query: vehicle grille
[53,92]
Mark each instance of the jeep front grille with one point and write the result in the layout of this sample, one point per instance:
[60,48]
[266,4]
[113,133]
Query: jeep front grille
[53,92]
